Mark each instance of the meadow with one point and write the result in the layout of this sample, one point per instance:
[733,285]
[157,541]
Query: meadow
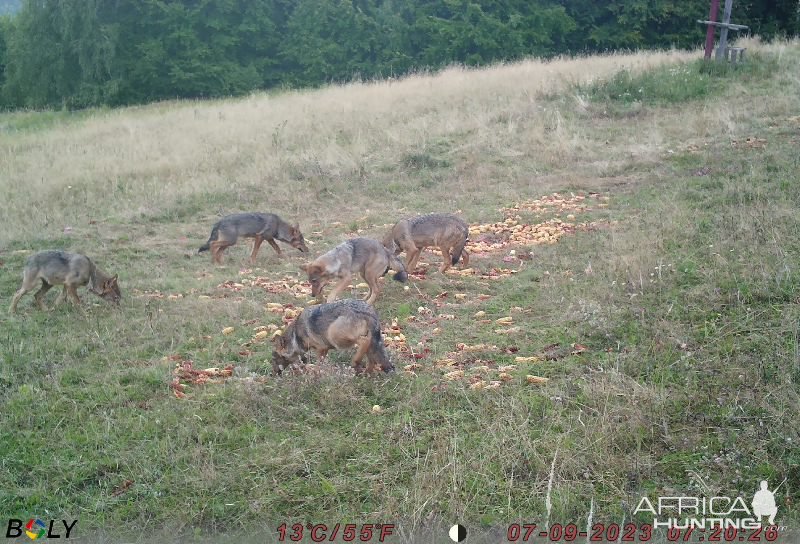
[634,272]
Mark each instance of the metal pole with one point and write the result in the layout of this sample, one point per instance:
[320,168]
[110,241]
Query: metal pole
[722,50]
[712,16]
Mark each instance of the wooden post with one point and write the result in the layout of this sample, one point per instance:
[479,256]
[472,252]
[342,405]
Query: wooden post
[723,33]
[712,16]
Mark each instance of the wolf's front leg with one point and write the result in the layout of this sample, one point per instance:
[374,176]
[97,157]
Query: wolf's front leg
[343,283]
[275,246]
[61,297]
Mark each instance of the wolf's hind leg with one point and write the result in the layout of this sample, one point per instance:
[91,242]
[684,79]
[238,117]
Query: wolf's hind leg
[28,283]
[14,301]
[217,247]
[39,296]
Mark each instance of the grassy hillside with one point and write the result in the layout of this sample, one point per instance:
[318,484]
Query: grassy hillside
[635,216]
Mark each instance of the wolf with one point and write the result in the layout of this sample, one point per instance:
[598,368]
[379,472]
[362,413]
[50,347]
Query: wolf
[363,255]
[72,270]
[445,231]
[261,226]
[336,325]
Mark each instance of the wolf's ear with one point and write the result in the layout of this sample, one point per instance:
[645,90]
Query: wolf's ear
[113,279]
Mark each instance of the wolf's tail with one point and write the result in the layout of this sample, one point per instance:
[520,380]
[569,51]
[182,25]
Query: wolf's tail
[214,236]
[377,351]
[397,265]
[459,249]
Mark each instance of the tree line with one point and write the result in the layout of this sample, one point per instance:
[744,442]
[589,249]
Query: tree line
[57,53]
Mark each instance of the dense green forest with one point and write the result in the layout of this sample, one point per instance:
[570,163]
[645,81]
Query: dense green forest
[112,52]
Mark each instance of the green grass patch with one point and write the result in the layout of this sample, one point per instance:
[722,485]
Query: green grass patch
[32,121]
[679,83]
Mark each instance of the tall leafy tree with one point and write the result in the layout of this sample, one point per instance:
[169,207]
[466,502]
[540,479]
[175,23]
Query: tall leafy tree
[34,61]
[627,24]
[443,31]
[5,29]
[329,40]
[201,48]
[60,53]
[769,18]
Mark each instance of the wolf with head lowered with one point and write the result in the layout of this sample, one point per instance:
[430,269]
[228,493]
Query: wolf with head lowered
[445,231]
[364,256]
[72,270]
[260,226]
[338,325]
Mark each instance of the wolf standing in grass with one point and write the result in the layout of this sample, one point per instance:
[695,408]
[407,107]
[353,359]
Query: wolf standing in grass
[71,270]
[359,255]
[442,230]
[261,226]
[338,325]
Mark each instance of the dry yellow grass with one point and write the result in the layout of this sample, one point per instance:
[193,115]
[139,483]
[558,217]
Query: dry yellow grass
[135,160]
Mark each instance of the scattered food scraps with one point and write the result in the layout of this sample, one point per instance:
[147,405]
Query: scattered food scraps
[475,348]
[454,375]
[577,349]
[185,373]
[533,359]
[750,142]
[536,379]
[122,488]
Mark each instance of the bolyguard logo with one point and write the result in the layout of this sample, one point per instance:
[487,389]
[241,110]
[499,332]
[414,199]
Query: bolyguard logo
[35,528]
[702,512]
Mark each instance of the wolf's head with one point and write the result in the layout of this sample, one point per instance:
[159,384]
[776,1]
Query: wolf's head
[317,277]
[286,349]
[279,363]
[109,290]
[291,235]
[390,243]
